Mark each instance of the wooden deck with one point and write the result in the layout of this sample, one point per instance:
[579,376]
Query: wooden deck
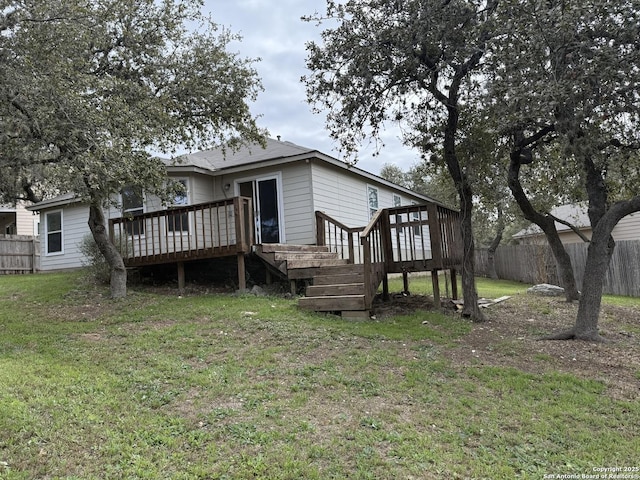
[417,238]
[347,264]
[209,230]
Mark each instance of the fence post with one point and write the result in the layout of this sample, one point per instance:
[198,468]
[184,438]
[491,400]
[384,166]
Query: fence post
[33,255]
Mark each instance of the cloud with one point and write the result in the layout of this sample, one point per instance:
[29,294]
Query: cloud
[275,32]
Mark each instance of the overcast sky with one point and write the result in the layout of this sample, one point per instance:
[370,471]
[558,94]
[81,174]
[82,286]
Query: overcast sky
[273,31]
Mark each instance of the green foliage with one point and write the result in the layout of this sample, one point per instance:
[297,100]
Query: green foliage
[94,261]
[87,89]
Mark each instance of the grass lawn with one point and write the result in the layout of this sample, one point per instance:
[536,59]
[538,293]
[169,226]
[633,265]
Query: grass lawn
[216,386]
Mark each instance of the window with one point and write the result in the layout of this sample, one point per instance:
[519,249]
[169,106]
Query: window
[417,229]
[179,222]
[397,202]
[53,225]
[372,193]
[132,206]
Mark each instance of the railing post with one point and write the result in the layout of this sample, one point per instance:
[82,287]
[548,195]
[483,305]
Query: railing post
[321,240]
[366,254]
[435,235]
[385,234]
[352,256]
[248,224]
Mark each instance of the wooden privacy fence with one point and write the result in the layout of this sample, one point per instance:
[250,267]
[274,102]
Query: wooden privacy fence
[535,264]
[19,254]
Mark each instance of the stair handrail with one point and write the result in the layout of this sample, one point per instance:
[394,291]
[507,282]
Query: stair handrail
[325,224]
[376,241]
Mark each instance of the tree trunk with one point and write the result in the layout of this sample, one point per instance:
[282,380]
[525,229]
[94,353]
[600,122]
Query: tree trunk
[465,193]
[547,224]
[471,308]
[491,251]
[97,225]
[598,258]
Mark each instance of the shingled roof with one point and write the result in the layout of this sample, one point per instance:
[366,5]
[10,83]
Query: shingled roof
[219,159]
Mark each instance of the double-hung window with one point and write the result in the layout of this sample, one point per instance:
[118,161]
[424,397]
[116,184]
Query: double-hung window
[178,222]
[417,229]
[53,225]
[372,194]
[133,206]
[397,202]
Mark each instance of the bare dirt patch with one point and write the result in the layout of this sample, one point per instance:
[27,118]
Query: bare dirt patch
[511,338]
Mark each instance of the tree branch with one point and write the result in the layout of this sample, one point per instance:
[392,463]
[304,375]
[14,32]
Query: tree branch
[575,229]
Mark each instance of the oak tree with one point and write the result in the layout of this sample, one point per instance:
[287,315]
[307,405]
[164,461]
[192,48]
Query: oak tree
[566,73]
[414,62]
[89,89]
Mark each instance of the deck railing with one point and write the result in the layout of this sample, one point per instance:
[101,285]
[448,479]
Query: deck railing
[338,237]
[399,239]
[375,239]
[417,237]
[185,233]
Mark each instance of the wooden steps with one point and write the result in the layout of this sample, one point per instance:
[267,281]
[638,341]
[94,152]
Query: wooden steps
[337,289]
[297,261]
[337,285]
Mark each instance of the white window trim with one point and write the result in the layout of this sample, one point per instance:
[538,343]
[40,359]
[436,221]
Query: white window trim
[187,185]
[144,209]
[46,234]
[281,213]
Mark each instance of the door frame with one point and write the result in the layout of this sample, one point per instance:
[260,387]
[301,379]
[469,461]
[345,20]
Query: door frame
[277,176]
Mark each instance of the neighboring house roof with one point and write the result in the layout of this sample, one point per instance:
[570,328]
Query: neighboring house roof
[575,213]
[4,208]
[58,201]
[218,161]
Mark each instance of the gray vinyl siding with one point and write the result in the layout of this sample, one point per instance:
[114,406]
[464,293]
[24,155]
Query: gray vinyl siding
[340,195]
[74,228]
[343,195]
[201,189]
[628,228]
[298,204]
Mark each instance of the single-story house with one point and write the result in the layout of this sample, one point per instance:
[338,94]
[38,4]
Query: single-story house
[17,220]
[576,214]
[276,202]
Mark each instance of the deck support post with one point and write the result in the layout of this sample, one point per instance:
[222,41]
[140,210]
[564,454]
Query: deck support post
[181,277]
[242,278]
[436,288]
[385,287]
[294,287]
[405,282]
[454,284]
